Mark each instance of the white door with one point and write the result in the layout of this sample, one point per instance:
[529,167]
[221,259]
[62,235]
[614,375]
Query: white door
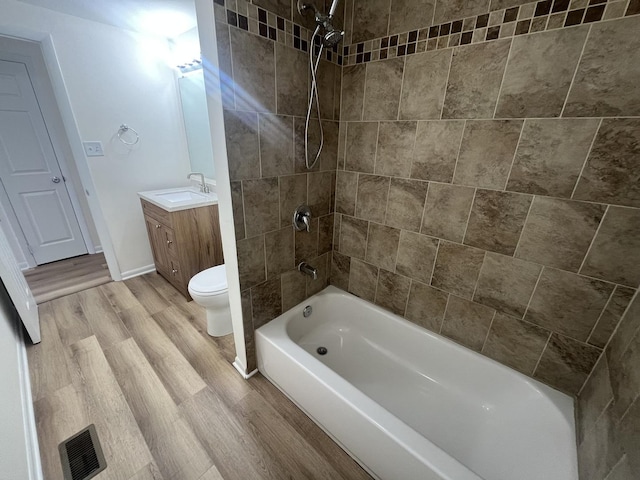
[18,290]
[30,172]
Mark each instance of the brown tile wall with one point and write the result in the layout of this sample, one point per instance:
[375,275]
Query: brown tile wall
[501,176]
[480,178]
[263,49]
[609,407]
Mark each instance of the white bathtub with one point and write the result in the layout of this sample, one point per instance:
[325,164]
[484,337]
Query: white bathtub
[410,404]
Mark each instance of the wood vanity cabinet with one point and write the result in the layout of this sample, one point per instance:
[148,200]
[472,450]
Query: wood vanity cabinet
[183,242]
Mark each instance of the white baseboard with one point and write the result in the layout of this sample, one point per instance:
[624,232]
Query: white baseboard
[138,271]
[98,248]
[29,418]
[240,369]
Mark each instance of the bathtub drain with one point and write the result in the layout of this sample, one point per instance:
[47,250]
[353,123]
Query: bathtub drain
[321,351]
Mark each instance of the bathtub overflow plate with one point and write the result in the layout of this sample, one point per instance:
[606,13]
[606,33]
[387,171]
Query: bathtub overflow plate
[321,351]
[307,311]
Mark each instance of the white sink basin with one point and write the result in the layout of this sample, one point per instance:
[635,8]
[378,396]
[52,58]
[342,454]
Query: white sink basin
[181,198]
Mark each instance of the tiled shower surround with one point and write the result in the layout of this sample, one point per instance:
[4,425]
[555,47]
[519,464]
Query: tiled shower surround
[486,189]
[265,79]
[490,192]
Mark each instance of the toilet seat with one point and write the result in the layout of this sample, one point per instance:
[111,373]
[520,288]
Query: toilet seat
[210,282]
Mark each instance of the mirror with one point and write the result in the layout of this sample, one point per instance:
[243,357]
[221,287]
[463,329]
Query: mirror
[186,51]
[196,122]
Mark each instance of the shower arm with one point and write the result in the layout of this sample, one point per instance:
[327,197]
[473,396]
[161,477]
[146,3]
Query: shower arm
[334,7]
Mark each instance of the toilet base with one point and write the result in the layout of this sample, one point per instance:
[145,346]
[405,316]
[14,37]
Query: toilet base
[219,322]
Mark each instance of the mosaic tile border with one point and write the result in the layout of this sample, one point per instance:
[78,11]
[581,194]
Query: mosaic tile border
[251,18]
[505,23]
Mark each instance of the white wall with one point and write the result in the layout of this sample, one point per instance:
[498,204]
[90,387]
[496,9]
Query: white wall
[18,456]
[114,76]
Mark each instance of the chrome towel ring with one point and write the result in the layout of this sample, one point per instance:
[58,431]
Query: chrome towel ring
[124,128]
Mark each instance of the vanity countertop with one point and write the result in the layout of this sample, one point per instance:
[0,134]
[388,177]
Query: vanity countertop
[180,198]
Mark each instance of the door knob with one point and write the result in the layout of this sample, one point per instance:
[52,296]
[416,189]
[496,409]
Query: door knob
[55,179]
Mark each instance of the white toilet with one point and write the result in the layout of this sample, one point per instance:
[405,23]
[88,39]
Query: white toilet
[209,289]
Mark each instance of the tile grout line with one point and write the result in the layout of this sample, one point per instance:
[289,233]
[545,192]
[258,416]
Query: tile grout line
[524,225]
[484,344]
[244,215]
[455,165]
[475,287]
[433,15]
[504,76]
[259,146]
[533,292]
[626,310]
[406,304]
[424,207]
[355,198]
[586,160]
[515,154]
[413,148]
[575,73]
[375,295]
[604,309]
[593,240]
[275,76]
[364,92]
[366,240]
[444,314]
[466,227]
[404,69]
[388,20]
[533,372]
[619,462]
[435,259]
[624,414]
[233,89]
[386,206]
[444,96]
[264,252]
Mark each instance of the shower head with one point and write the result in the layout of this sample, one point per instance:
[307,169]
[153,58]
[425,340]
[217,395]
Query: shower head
[332,37]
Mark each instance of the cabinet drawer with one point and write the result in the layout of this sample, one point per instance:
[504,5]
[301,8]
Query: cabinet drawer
[156,213]
[175,273]
[170,243]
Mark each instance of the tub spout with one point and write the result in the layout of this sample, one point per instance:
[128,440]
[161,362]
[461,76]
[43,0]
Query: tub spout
[307,269]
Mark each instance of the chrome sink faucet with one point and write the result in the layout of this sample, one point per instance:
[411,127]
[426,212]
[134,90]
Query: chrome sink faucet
[204,188]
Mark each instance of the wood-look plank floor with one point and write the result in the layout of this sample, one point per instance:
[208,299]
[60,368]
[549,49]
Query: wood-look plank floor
[57,279]
[134,359]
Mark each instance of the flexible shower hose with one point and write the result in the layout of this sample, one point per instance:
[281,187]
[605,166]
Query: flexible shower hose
[312,96]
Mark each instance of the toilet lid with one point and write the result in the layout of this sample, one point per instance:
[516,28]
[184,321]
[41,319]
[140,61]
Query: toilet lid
[210,281]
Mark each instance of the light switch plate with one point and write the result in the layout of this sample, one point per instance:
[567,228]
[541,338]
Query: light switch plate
[93,149]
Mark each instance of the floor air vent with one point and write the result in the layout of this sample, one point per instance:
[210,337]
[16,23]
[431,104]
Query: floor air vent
[81,455]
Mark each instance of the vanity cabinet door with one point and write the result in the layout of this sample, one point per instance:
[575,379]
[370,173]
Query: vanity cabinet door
[158,239]
[175,274]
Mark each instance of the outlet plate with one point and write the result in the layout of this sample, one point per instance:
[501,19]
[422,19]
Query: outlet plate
[93,149]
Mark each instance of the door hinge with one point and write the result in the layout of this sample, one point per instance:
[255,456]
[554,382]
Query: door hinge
[64,179]
[30,249]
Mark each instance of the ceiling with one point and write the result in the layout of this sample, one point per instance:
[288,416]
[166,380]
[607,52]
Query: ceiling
[166,18]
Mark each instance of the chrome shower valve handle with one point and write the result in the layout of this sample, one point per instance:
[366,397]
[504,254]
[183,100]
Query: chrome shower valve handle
[302,218]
